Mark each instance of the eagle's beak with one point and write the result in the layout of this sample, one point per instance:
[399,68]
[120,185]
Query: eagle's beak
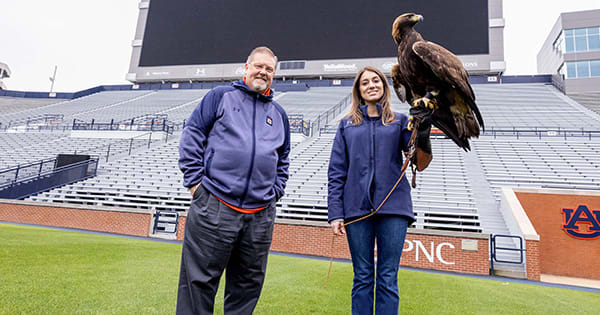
[417,18]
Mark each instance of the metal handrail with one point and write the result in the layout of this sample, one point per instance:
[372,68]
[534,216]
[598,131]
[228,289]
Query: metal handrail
[145,117]
[46,118]
[541,132]
[129,150]
[494,249]
[157,123]
[298,124]
[11,168]
[173,219]
[323,118]
[41,173]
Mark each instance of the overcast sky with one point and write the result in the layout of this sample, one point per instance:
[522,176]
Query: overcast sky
[90,41]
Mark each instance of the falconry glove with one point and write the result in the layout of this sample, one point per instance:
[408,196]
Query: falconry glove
[420,115]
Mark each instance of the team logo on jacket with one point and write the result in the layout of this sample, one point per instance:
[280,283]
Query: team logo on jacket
[575,222]
[269,121]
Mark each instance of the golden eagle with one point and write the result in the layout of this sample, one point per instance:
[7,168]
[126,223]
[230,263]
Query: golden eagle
[429,74]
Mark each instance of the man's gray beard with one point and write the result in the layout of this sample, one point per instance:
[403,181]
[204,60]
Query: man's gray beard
[261,87]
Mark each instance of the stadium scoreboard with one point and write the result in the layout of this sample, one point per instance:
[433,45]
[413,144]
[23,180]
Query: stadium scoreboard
[196,40]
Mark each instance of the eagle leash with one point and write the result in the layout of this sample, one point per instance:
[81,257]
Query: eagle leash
[407,161]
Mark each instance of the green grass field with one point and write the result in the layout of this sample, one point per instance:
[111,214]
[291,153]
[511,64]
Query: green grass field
[45,271]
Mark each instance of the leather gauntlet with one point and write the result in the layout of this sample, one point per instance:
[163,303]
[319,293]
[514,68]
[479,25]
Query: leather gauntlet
[420,115]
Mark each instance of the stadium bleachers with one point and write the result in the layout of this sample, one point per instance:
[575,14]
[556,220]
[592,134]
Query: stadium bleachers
[312,102]
[18,104]
[77,106]
[158,102]
[459,191]
[545,163]
[443,198]
[21,148]
[529,105]
[589,100]
[151,179]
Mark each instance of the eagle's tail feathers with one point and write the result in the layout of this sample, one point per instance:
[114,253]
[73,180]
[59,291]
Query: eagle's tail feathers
[469,126]
[453,134]
[466,126]
[475,110]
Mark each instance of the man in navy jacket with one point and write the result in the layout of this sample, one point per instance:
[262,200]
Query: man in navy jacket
[234,158]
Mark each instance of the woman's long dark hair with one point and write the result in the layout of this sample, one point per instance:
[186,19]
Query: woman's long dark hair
[387,116]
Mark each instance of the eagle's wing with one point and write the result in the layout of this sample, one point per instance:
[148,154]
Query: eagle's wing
[447,67]
[402,90]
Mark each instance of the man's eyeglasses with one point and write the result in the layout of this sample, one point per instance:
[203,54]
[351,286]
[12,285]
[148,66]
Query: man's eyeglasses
[261,67]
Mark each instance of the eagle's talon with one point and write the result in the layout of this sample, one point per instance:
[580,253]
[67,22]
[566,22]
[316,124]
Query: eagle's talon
[430,105]
[425,102]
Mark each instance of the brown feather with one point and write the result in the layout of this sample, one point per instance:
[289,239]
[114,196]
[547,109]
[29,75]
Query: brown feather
[444,120]
[445,65]
[399,87]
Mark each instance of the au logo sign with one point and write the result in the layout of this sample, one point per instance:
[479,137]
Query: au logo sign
[573,220]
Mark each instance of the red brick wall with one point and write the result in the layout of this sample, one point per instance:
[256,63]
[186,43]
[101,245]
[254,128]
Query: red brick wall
[181,228]
[559,253]
[475,262]
[533,260]
[291,238]
[130,223]
[308,240]
[316,240]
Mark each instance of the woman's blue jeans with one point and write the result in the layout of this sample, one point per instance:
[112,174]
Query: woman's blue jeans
[390,232]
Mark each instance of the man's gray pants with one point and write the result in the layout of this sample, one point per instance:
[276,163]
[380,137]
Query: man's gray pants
[216,238]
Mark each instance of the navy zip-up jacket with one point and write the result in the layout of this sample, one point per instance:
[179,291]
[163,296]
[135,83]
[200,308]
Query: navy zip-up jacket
[366,161]
[236,143]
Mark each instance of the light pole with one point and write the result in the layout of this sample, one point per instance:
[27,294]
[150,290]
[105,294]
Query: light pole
[52,78]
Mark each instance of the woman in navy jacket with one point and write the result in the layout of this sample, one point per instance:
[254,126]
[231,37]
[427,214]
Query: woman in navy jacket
[366,161]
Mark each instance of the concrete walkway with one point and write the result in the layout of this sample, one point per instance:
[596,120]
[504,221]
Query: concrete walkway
[580,282]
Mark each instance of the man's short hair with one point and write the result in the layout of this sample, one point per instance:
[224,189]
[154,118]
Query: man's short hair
[262,50]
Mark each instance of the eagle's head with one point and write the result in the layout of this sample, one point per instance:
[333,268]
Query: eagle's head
[403,23]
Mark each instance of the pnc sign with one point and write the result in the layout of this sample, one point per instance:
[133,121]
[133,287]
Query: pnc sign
[574,221]
[434,253]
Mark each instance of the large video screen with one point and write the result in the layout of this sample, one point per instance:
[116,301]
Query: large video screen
[196,32]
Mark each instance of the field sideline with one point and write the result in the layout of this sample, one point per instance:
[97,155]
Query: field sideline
[46,271]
